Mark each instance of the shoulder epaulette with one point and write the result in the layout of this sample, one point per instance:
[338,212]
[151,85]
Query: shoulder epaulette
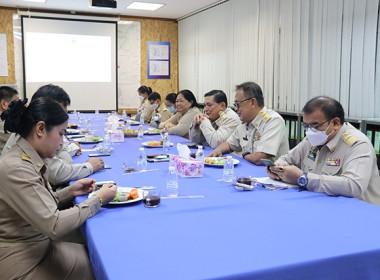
[222,115]
[26,158]
[265,116]
[349,139]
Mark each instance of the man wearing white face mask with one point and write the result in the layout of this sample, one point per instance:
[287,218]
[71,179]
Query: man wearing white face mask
[160,113]
[335,158]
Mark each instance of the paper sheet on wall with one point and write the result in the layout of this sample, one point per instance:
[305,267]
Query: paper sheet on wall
[129,63]
[3,55]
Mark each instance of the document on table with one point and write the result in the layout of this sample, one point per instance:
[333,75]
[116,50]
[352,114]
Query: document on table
[266,181]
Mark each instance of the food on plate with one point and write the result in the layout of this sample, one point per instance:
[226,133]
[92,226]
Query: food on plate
[72,125]
[215,160]
[122,196]
[152,131]
[155,143]
[130,132]
[96,138]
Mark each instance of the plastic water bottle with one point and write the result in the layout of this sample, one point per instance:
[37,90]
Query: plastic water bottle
[166,143]
[142,162]
[228,170]
[107,144]
[172,182]
[140,132]
[124,115]
[199,155]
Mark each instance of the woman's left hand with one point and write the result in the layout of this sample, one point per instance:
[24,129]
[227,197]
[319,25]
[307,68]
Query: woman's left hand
[82,186]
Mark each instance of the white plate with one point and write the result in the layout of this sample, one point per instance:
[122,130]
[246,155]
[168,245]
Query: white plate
[71,131]
[134,123]
[235,161]
[145,144]
[88,141]
[124,189]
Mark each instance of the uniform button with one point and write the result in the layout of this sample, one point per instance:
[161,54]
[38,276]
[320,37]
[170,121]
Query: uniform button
[256,124]
[39,164]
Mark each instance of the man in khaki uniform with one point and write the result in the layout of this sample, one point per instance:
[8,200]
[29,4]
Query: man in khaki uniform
[218,122]
[160,113]
[7,95]
[335,158]
[262,133]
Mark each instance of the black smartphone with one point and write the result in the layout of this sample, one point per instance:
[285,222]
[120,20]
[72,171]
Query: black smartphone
[98,155]
[157,156]
[267,162]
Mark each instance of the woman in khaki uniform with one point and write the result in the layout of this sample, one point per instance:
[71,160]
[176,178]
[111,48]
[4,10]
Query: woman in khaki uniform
[32,217]
[160,112]
[145,110]
[187,108]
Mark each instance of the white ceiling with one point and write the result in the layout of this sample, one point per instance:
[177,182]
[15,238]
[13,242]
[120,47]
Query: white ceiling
[173,9]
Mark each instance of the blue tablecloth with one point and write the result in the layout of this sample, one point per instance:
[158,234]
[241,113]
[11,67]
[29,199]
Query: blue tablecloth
[228,234]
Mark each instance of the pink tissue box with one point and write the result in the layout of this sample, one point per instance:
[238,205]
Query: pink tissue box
[188,168]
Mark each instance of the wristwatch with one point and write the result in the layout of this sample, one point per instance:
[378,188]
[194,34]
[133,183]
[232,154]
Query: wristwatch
[302,180]
[244,154]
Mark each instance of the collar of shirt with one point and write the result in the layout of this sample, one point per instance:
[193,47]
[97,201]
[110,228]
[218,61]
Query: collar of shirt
[36,160]
[334,142]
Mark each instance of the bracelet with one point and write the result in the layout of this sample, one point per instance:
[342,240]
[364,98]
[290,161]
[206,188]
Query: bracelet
[100,199]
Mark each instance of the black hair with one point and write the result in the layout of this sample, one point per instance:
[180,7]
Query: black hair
[328,106]
[7,93]
[21,119]
[219,96]
[54,92]
[154,96]
[253,90]
[171,97]
[189,96]
[145,89]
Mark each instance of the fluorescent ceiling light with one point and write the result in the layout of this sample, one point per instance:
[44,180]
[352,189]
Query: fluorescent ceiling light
[144,6]
[39,1]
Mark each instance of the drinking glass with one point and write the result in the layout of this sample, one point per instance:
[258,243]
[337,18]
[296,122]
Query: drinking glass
[129,166]
[151,198]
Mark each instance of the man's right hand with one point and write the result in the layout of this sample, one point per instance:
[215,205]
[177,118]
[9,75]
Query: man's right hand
[97,163]
[107,192]
[215,153]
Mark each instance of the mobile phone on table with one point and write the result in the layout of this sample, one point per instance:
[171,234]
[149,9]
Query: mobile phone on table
[98,155]
[157,156]
[267,162]
[107,166]
[99,184]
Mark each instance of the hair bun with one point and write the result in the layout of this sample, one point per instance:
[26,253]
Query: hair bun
[12,116]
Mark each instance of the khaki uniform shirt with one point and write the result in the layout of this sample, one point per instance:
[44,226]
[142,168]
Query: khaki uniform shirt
[164,114]
[345,166]
[30,212]
[146,111]
[60,171]
[265,134]
[214,133]
[182,122]
[3,136]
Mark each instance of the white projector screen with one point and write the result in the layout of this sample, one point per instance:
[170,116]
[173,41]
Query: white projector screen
[79,56]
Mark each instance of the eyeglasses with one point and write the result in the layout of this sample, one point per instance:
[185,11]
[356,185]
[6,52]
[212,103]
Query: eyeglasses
[237,103]
[314,127]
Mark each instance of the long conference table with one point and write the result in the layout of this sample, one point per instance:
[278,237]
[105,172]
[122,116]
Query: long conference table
[226,234]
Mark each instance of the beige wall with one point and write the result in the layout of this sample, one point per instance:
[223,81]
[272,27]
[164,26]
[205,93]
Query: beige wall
[151,30]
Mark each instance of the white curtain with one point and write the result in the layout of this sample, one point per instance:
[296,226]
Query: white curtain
[294,49]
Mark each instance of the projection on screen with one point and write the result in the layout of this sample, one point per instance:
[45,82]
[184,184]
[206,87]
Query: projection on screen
[79,56]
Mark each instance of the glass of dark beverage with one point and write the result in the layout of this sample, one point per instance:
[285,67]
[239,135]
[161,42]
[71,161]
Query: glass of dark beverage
[152,198]
[129,166]
[244,180]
